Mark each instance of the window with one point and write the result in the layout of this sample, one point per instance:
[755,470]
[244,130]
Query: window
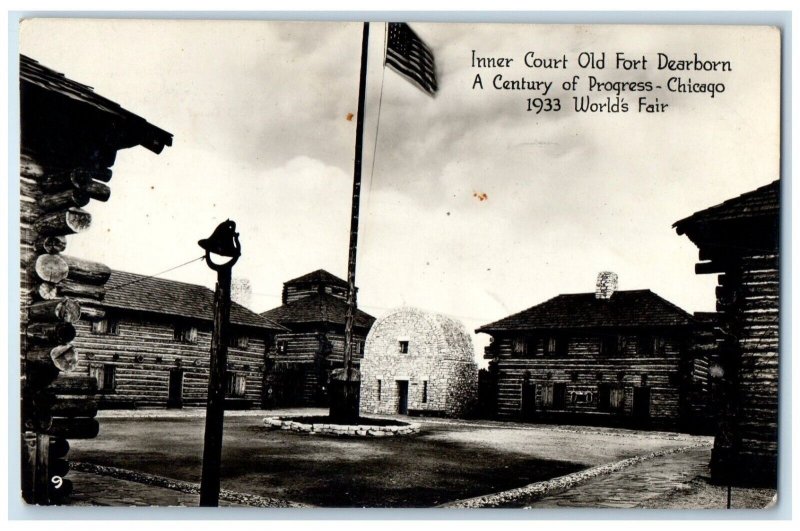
[379,390]
[424,391]
[557,346]
[646,345]
[518,346]
[324,346]
[562,344]
[235,384]
[533,347]
[609,345]
[106,376]
[550,347]
[238,341]
[282,346]
[525,346]
[185,333]
[403,347]
[107,326]
[660,346]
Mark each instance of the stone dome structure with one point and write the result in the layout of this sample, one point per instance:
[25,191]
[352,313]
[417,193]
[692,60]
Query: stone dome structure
[418,363]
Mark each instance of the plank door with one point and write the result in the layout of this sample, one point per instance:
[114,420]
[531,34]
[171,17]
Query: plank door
[402,395]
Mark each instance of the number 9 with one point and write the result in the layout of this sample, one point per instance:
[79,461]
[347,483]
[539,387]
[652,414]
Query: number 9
[57,481]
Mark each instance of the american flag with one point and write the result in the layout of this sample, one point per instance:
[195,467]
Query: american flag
[410,57]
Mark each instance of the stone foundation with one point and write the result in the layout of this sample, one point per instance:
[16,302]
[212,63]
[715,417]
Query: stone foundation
[341,430]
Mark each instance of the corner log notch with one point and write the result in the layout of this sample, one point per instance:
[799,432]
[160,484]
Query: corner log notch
[51,268]
[66,310]
[50,333]
[69,140]
[63,222]
[50,245]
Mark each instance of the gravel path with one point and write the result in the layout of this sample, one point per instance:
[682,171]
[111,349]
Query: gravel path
[582,489]
[153,494]
[647,480]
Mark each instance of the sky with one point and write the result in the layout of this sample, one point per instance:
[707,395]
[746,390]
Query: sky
[472,206]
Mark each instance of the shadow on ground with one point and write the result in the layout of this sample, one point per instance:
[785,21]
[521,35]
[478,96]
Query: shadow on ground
[416,471]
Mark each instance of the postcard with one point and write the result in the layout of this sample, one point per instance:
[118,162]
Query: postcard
[399,264]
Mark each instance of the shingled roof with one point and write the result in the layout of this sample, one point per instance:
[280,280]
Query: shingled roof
[625,309]
[33,74]
[320,276]
[763,201]
[317,308]
[129,291]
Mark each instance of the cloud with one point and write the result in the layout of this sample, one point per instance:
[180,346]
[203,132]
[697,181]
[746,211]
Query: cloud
[259,111]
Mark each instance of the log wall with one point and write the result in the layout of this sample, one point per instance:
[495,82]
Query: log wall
[53,188]
[748,302]
[667,372]
[294,292]
[69,138]
[143,351]
[308,357]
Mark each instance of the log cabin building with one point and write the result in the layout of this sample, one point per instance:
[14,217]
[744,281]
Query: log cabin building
[739,240]
[610,357]
[69,139]
[151,348]
[314,308]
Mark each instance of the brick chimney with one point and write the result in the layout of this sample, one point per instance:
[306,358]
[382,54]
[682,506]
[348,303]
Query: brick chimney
[606,285]
[241,291]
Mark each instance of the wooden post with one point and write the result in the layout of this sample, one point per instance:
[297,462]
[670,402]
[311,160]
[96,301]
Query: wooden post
[41,482]
[225,242]
[345,385]
[215,411]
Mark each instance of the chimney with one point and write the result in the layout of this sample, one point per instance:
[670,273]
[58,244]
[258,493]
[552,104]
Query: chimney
[241,291]
[606,285]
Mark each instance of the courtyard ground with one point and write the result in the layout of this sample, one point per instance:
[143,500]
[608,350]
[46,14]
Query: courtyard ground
[446,462]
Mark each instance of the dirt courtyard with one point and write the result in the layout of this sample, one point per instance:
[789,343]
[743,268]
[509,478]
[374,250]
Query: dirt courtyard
[446,461]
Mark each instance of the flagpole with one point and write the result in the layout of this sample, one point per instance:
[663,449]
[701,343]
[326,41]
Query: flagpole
[351,261]
[345,393]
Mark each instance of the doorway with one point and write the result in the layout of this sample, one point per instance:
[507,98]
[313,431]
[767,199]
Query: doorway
[560,395]
[641,402]
[402,395]
[175,397]
[528,400]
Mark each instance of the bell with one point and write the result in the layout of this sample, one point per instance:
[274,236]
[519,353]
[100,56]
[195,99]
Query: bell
[224,241]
